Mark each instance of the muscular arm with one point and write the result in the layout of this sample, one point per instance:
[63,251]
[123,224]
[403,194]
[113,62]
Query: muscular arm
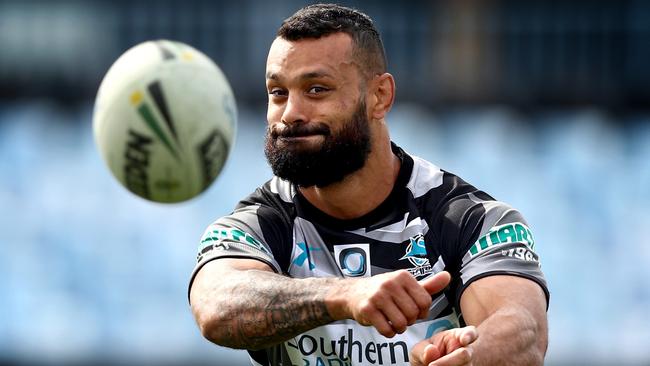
[510,315]
[240,303]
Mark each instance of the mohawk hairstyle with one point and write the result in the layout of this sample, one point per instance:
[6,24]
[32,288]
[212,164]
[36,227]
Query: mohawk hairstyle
[319,20]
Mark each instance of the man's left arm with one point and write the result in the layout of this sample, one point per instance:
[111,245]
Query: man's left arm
[506,318]
[503,294]
[509,313]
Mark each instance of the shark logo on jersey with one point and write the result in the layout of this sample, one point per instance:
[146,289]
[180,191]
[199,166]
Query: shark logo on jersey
[416,253]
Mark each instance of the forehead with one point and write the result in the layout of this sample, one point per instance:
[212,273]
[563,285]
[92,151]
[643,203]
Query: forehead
[331,54]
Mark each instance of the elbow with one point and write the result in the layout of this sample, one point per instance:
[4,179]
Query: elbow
[228,329]
[212,314]
[225,332]
[218,326]
[210,330]
[211,325]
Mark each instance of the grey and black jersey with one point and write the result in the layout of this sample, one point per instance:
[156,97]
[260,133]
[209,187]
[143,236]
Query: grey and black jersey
[431,221]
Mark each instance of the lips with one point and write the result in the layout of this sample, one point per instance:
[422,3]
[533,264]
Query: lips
[282,130]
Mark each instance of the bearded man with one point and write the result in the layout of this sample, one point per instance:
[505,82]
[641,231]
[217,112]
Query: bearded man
[355,252]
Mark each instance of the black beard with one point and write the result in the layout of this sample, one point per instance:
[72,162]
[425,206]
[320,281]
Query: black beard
[340,154]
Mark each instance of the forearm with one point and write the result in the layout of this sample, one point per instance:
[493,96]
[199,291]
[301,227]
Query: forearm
[510,336]
[255,309]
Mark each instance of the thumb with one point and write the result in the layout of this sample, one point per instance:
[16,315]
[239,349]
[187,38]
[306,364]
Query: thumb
[436,283]
[468,335]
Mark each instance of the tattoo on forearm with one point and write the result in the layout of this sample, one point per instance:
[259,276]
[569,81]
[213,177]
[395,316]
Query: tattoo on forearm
[272,310]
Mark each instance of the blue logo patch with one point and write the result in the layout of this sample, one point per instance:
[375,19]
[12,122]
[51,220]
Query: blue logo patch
[305,256]
[353,259]
[353,262]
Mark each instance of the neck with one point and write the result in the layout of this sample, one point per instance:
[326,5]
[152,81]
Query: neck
[362,191]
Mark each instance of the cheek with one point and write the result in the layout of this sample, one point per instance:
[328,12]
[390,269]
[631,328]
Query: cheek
[273,113]
[343,111]
[335,112]
[348,104]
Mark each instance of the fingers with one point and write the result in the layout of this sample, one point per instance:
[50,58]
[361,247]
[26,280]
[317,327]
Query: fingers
[431,352]
[418,354]
[436,283]
[423,353]
[456,347]
[448,347]
[375,317]
[398,297]
[432,356]
[468,335]
[452,339]
[395,316]
[383,326]
[409,305]
[403,300]
[459,357]
[421,298]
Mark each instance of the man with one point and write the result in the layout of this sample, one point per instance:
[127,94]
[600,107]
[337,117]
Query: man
[355,252]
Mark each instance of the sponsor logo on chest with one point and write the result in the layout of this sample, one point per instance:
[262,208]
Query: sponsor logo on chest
[353,259]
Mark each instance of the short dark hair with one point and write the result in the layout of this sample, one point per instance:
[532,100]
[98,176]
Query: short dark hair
[319,20]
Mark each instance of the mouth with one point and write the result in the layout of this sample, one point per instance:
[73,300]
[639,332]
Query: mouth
[292,142]
[299,132]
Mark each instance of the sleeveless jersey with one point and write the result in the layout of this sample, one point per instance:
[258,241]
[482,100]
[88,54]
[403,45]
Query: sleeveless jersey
[431,221]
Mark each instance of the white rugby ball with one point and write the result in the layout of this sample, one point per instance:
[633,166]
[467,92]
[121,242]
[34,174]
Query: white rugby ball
[165,120]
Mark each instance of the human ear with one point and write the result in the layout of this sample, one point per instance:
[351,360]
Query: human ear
[383,95]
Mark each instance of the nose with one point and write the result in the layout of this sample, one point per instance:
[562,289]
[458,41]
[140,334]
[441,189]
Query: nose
[295,110]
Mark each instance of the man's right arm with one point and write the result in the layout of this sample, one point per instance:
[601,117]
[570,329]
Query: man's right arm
[242,303]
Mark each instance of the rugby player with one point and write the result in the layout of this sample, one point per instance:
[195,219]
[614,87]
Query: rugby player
[356,252]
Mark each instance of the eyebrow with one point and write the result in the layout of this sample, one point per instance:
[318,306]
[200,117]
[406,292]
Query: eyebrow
[308,75]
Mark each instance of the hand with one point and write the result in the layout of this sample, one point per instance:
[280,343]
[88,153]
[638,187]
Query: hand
[389,302]
[447,348]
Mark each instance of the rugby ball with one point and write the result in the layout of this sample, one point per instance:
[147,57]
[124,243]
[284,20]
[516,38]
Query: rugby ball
[164,120]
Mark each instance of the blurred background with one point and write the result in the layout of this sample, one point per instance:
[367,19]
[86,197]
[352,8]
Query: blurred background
[543,104]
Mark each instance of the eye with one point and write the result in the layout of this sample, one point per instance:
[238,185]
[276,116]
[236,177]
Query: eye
[317,90]
[277,92]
